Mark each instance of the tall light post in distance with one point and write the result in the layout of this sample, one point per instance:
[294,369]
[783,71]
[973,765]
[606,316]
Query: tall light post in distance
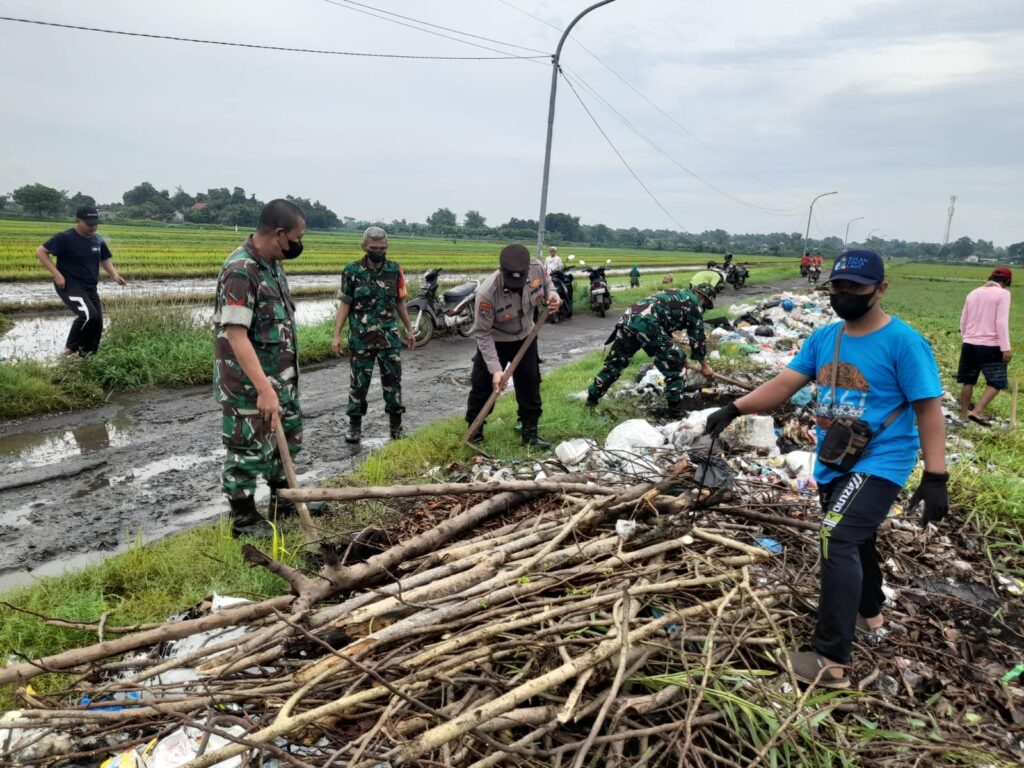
[846,237]
[876,229]
[551,123]
[810,213]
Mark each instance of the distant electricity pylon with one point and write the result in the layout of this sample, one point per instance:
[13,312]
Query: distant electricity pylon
[949,219]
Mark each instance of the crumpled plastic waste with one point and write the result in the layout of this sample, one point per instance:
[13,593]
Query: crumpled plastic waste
[633,434]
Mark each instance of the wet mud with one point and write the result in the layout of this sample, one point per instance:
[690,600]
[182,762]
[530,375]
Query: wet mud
[77,486]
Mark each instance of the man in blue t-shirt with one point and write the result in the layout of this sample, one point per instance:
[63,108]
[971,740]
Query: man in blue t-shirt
[80,253]
[885,376]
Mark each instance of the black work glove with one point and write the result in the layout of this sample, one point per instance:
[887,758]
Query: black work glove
[932,491]
[721,419]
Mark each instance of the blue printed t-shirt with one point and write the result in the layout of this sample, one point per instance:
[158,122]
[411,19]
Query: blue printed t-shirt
[878,373]
[78,258]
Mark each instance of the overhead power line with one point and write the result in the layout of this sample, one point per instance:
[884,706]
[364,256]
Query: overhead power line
[438,26]
[623,159]
[657,108]
[377,14]
[643,137]
[178,39]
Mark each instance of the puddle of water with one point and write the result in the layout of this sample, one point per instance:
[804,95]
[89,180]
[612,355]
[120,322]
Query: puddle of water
[177,463]
[16,516]
[38,449]
[42,338]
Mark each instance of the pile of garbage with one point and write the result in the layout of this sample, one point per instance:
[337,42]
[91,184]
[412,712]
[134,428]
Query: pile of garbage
[618,604]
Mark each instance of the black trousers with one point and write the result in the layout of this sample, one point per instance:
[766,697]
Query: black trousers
[854,505]
[526,379]
[84,336]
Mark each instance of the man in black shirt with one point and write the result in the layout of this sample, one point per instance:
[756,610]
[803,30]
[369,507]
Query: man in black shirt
[80,253]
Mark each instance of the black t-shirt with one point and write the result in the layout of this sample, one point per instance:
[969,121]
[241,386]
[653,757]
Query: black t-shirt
[78,258]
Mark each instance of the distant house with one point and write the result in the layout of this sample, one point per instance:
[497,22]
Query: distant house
[971,259]
[200,206]
[177,217]
[988,261]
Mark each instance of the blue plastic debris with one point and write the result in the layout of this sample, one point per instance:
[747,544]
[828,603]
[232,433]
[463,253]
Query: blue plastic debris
[787,304]
[802,397]
[770,544]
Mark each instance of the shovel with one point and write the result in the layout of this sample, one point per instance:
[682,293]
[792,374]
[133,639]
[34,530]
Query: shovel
[728,380]
[486,410]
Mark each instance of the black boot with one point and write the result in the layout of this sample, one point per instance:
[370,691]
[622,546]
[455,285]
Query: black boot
[532,439]
[246,521]
[355,429]
[396,426]
[280,509]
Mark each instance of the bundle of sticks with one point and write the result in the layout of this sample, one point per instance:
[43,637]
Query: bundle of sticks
[558,622]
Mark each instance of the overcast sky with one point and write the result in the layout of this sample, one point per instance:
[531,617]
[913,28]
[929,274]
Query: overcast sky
[897,104]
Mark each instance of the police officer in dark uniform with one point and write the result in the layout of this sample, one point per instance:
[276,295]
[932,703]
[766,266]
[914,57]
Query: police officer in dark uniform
[505,302]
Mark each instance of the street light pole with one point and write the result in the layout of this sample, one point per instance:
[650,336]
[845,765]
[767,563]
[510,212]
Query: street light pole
[551,123]
[876,229]
[807,234]
[846,237]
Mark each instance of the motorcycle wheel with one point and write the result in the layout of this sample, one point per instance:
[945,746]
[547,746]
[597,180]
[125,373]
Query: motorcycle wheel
[468,328]
[600,310]
[422,326]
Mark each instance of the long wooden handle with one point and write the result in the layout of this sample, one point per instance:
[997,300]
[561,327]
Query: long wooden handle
[727,379]
[486,410]
[293,482]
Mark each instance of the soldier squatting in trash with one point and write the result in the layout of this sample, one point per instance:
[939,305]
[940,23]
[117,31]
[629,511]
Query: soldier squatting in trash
[649,325]
[876,377]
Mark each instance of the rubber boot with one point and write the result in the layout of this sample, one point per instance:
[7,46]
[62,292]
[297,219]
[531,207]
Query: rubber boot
[397,433]
[246,521]
[532,439]
[355,430]
[281,509]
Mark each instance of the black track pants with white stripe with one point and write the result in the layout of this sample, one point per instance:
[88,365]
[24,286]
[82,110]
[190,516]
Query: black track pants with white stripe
[84,336]
[853,505]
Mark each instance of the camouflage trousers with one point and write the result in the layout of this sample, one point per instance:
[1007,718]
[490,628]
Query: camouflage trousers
[363,360]
[669,359]
[252,446]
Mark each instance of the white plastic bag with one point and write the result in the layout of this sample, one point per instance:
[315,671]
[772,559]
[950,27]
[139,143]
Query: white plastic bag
[754,432]
[574,451]
[633,434]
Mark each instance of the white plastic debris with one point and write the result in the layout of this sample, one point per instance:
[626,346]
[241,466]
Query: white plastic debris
[652,381]
[633,434]
[182,746]
[697,420]
[800,462]
[754,432]
[31,744]
[624,528]
[574,451]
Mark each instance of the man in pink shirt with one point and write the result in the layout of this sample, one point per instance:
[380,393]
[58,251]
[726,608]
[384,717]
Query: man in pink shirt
[985,328]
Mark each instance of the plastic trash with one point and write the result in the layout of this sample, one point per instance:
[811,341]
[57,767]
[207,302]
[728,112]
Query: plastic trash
[624,528]
[787,304]
[633,434]
[770,544]
[800,462]
[697,420]
[1013,674]
[714,474]
[30,744]
[802,397]
[182,746]
[574,451]
[754,432]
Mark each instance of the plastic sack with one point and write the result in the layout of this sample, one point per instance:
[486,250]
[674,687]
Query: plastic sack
[574,451]
[633,434]
[754,432]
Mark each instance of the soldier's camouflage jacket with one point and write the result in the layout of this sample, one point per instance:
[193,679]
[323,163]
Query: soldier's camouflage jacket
[253,293]
[373,296]
[667,312]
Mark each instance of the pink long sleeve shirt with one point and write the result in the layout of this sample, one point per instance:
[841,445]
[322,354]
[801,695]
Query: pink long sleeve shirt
[986,317]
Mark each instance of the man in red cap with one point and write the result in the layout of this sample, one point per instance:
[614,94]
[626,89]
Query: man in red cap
[985,328]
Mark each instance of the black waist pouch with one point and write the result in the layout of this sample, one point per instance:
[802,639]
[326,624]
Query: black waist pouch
[845,443]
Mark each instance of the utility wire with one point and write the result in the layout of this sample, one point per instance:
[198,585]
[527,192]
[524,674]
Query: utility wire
[623,159]
[352,7]
[625,121]
[446,29]
[657,108]
[177,39]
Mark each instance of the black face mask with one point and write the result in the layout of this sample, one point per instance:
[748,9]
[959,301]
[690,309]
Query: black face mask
[851,306]
[293,250]
[377,255]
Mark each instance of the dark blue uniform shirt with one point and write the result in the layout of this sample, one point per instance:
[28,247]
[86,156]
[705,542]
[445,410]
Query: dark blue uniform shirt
[78,258]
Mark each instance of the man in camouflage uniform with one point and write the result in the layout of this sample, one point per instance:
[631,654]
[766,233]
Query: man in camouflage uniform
[649,325]
[372,293]
[256,373]
[505,303]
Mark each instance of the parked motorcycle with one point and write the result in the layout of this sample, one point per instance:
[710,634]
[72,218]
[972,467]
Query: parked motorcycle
[562,278]
[600,296]
[737,275]
[454,312]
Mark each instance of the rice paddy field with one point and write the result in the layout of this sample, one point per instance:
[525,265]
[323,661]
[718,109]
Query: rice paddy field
[189,251]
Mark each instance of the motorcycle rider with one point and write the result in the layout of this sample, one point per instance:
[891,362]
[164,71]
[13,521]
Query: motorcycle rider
[372,292]
[554,261]
[505,302]
[805,264]
[649,325]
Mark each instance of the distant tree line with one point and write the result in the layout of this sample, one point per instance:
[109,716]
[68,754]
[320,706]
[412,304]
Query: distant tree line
[234,208]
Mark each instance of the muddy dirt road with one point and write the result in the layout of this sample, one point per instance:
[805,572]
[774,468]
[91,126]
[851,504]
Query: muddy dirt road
[78,485]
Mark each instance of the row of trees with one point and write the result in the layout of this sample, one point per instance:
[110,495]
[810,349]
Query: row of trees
[233,207]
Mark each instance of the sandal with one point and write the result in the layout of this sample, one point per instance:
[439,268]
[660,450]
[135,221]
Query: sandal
[980,420]
[812,668]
